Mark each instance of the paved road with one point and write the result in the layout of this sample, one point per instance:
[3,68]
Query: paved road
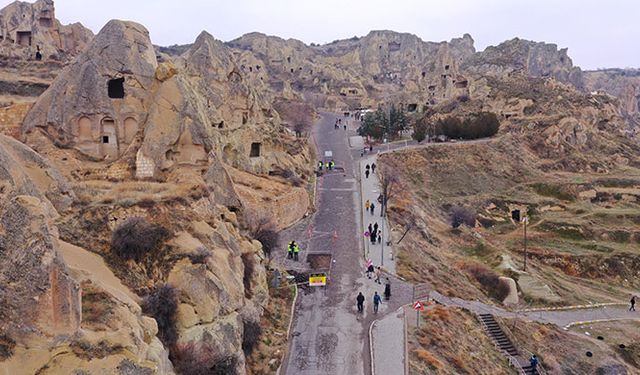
[328,335]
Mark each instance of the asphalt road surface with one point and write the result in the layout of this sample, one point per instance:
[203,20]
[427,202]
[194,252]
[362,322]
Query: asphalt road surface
[328,335]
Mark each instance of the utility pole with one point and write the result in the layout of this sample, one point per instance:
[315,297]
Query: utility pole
[382,243]
[526,220]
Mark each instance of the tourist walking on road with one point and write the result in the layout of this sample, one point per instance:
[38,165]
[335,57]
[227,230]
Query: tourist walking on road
[375,227]
[376,302]
[387,289]
[374,236]
[370,268]
[370,229]
[378,274]
[366,173]
[367,204]
[360,301]
[373,167]
[367,167]
[380,237]
[633,304]
[373,207]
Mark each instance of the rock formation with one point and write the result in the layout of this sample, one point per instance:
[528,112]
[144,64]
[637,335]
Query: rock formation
[27,28]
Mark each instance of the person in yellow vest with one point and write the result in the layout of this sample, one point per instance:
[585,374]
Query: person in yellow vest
[326,165]
[296,250]
[290,249]
[331,164]
[367,204]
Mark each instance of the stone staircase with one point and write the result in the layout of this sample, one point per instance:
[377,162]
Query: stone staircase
[506,346]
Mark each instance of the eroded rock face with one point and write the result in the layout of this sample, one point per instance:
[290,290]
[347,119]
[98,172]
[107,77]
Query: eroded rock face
[30,27]
[46,303]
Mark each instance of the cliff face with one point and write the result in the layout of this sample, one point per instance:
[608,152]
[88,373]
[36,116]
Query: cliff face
[188,145]
[29,27]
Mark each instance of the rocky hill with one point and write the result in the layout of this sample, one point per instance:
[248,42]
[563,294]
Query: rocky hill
[183,148]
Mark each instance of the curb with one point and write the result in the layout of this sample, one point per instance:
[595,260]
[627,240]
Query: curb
[373,366]
[406,341]
[575,307]
[293,307]
[597,321]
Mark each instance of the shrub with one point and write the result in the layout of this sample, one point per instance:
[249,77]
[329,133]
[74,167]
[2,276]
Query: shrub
[202,359]
[249,268]
[479,125]
[250,336]
[269,239]
[162,305]
[262,228]
[419,131]
[461,215]
[489,280]
[7,344]
[200,256]
[553,191]
[136,237]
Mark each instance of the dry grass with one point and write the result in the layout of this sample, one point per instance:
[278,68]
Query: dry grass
[273,341]
[451,341]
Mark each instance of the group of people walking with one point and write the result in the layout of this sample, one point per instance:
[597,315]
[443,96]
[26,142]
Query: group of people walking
[375,234]
[377,300]
[369,169]
[338,123]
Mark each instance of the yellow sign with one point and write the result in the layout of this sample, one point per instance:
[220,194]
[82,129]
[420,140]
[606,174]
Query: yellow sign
[318,279]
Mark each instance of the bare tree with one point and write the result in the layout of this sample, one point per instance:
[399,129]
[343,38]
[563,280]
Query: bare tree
[298,114]
[389,182]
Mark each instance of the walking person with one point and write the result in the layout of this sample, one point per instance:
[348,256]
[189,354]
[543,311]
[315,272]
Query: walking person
[378,274]
[373,207]
[533,361]
[367,204]
[345,127]
[375,227]
[360,301]
[376,302]
[320,166]
[374,236]
[387,289]
[380,237]
[633,304]
[367,167]
[366,173]
[373,167]
[370,230]
[370,268]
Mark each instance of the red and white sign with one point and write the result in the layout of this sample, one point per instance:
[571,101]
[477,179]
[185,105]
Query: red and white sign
[418,306]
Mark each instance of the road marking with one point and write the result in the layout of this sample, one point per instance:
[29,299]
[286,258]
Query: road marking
[338,189]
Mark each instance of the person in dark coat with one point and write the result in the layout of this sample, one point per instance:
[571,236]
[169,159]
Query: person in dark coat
[372,207]
[370,229]
[376,302]
[387,289]
[366,173]
[375,227]
[633,304]
[373,167]
[360,301]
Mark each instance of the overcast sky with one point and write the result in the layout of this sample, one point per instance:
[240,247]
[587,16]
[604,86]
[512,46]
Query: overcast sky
[598,33]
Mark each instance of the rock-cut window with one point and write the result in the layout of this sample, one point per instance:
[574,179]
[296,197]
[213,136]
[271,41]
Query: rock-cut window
[115,88]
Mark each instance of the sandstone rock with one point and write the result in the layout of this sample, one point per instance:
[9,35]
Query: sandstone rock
[29,27]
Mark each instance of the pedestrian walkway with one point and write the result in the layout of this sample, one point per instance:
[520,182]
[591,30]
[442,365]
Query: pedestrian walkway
[561,318]
[380,253]
[388,345]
